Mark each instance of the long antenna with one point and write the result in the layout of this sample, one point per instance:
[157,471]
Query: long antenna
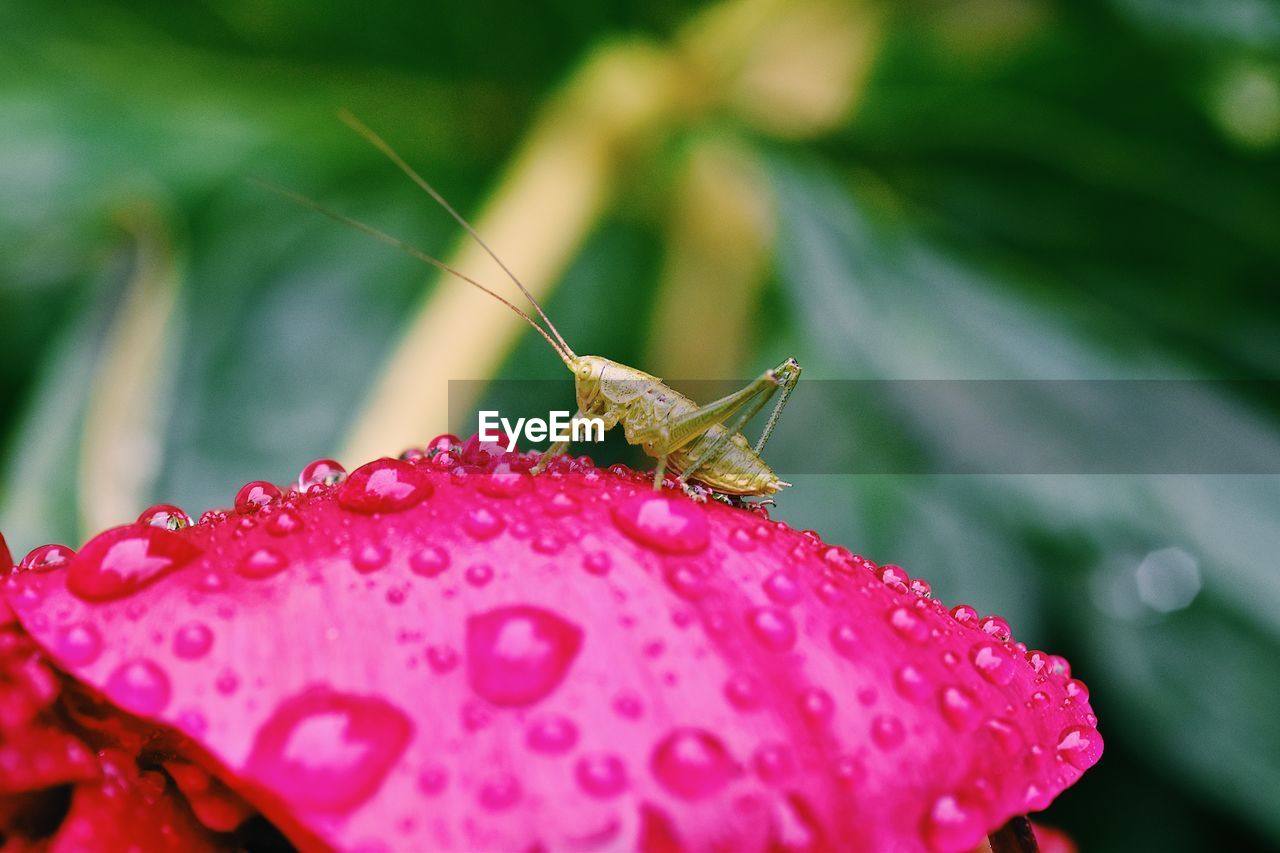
[378,142]
[566,355]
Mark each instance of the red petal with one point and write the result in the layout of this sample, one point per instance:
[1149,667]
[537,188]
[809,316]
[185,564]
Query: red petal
[571,660]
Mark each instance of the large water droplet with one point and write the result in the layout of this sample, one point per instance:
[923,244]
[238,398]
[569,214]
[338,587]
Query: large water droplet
[321,472]
[254,496]
[383,485]
[262,563]
[692,764]
[192,641]
[667,524]
[773,627]
[167,516]
[327,751]
[954,823]
[124,559]
[370,556]
[429,561]
[909,625]
[78,645]
[499,792]
[959,708]
[1080,746]
[782,588]
[517,655]
[139,686]
[552,735]
[47,558]
[482,523]
[602,775]
[887,732]
[994,661]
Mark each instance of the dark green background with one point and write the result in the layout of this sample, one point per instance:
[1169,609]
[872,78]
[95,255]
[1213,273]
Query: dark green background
[1030,189]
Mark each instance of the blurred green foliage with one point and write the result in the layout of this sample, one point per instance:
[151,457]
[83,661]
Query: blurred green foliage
[1029,188]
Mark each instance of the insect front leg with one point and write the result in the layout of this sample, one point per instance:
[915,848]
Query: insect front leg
[789,371]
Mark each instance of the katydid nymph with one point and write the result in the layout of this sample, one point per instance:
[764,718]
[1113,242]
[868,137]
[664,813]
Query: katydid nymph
[700,444]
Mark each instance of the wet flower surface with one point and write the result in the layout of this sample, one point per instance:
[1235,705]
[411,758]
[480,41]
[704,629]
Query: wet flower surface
[445,651]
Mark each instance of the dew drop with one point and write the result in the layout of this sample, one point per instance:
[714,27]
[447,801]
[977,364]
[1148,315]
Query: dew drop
[429,561]
[995,627]
[667,524]
[845,641]
[782,588]
[192,641]
[432,780]
[772,763]
[442,659]
[262,563]
[321,472]
[965,615]
[383,485]
[686,580]
[327,751]
[772,627]
[78,645]
[743,692]
[909,625]
[370,557]
[1006,734]
[284,523]
[139,686]
[124,559]
[816,704]
[910,683]
[1077,691]
[482,523]
[479,575]
[47,558]
[601,776]
[959,708]
[166,516]
[954,823]
[499,792]
[692,764]
[504,482]
[254,496]
[1080,746]
[552,735]
[741,540]
[596,562]
[517,655]
[887,732]
[994,662]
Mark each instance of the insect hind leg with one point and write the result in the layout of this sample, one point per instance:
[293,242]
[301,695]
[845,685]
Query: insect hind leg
[789,371]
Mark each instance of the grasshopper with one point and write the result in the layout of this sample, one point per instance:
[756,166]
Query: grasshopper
[701,444]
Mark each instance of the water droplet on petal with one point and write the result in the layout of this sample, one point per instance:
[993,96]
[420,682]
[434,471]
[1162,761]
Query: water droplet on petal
[442,658]
[1006,734]
[429,561]
[499,792]
[1080,746]
[78,645]
[743,692]
[601,775]
[994,661]
[284,522]
[192,641]
[692,764]
[479,575]
[383,485]
[262,563]
[910,683]
[504,482]
[432,780]
[959,708]
[887,732]
[909,625]
[517,655]
[124,559]
[139,686]
[1077,691]
[167,516]
[995,627]
[254,496]
[552,735]
[965,615]
[370,556]
[482,523]
[773,627]
[321,472]
[327,751]
[954,823]
[845,641]
[597,562]
[772,763]
[782,588]
[816,704]
[46,558]
[667,524]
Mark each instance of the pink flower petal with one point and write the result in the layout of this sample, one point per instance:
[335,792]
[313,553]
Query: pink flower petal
[568,660]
